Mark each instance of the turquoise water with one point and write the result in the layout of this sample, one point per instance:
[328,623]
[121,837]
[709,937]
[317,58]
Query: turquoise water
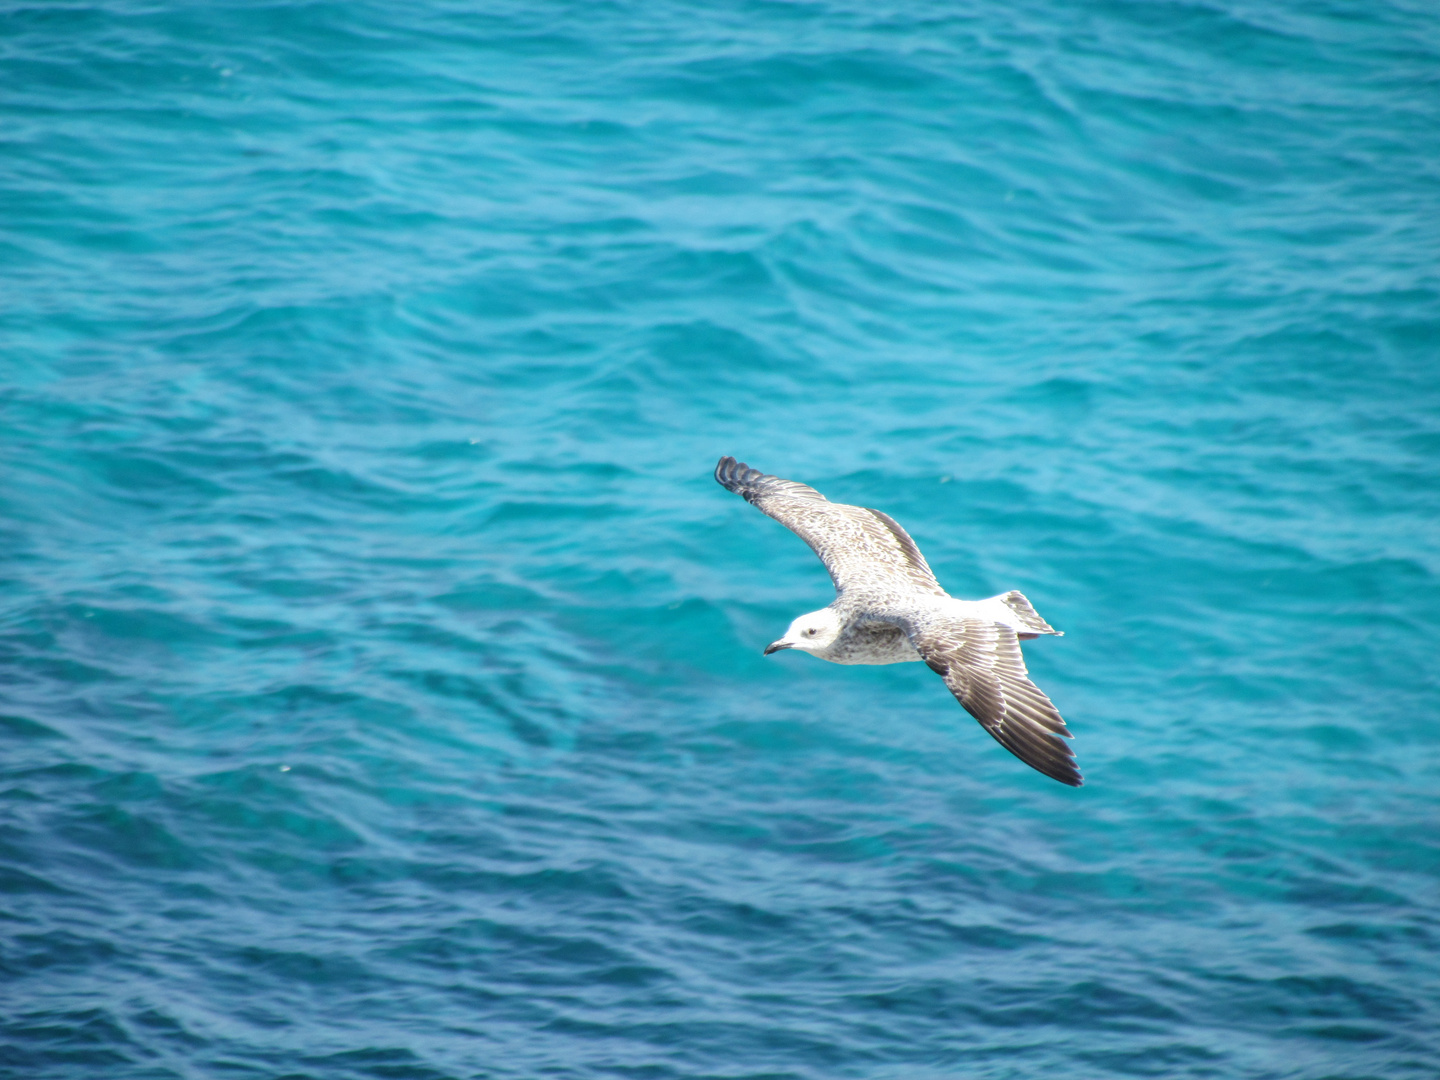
[382,688]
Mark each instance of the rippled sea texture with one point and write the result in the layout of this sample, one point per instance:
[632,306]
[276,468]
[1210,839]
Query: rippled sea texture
[382,689]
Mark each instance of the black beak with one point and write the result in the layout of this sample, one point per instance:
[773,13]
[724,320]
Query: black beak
[776,646]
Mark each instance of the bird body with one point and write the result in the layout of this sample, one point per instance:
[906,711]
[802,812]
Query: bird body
[862,640]
[890,609]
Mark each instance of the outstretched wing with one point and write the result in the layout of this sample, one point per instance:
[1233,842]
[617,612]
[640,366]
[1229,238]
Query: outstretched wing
[864,550]
[980,662]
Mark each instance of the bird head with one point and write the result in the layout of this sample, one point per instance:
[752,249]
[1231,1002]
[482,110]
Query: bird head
[815,632]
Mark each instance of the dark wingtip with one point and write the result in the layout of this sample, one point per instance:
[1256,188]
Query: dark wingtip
[1062,769]
[1065,770]
[733,475]
[1046,754]
[724,469]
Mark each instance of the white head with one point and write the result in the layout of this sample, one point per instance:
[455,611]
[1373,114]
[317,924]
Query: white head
[813,633]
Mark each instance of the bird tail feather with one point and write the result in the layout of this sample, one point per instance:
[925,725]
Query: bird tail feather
[1027,615]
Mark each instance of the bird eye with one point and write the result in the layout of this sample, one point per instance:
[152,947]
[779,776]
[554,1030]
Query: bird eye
[811,631]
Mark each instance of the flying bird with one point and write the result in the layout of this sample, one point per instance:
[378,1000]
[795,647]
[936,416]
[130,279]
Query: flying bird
[889,609]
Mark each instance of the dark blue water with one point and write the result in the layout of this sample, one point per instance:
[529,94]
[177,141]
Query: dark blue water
[382,688]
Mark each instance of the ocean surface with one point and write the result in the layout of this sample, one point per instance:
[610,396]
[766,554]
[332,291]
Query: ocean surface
[381,689]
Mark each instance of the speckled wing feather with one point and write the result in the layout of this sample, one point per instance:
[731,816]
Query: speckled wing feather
[981,664]
[866,552]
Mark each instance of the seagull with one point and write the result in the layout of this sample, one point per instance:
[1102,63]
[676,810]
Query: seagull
[889,609]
